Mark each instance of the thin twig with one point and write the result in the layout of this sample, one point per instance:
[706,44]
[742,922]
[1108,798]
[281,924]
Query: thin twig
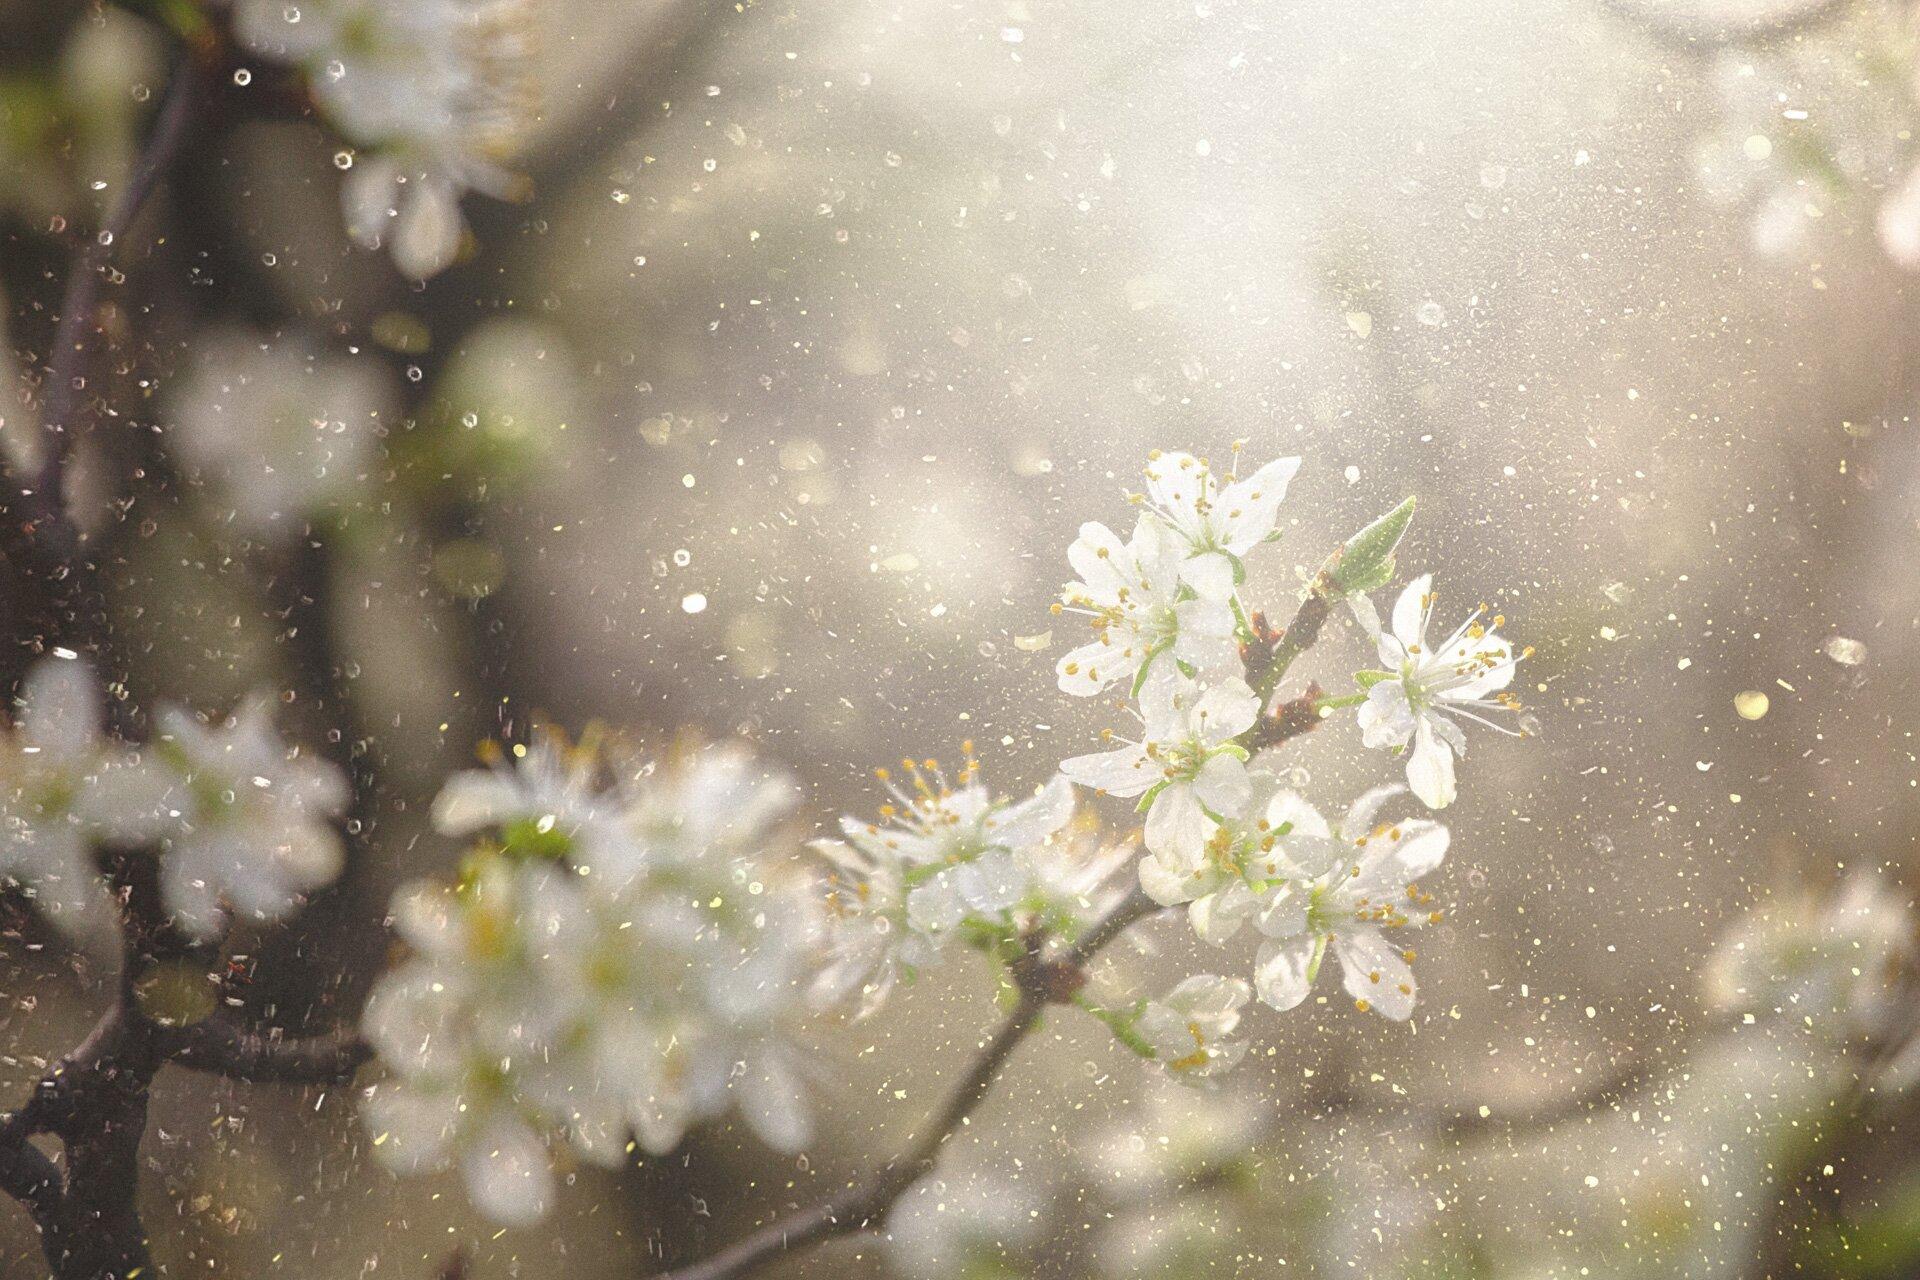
[59,419]
[866,1203]
[217,1047]
[1693,34]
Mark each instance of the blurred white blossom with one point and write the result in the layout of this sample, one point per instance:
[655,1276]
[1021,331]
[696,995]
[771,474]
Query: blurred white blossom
[1838,963]
[970,1224]
[1191,1028]
[440,92]
[250,827]
[56,798]
[619,961]
[278,432]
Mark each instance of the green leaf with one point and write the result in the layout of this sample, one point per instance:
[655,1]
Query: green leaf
[1153,793]
[1365,563]
[1368,679]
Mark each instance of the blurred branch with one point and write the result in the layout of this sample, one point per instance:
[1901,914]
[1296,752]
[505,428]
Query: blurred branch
[225,1050]
[1674,28]
[41,495]
[1041,981]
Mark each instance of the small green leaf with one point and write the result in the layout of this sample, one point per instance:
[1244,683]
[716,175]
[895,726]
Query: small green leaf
[1368,679]
[1365,563]
[1153,793]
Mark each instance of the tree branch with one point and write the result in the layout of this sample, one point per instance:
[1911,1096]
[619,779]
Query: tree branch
[1693,34]
[42,496]
[866,1203]
[218,1047]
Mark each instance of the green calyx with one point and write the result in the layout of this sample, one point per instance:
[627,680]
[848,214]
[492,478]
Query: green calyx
[1365,562]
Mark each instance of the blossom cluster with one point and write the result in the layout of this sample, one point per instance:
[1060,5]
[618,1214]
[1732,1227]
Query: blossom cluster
[439,92]
[615,964]
[947,860]
[243,823]
[1224,835]
[631,942]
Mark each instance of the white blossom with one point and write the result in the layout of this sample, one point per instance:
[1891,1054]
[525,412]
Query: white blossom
[1186,762]
[251,829]
[1838,962]
[440,91]
[1430,686]
[1349,889]
[1245,857]
[1139,609]
[619,964]
[453,1025]
[278,432]
[940,858]
[1190,1029]
[546,803]
[57,771]
[1215,526]
[964,1224]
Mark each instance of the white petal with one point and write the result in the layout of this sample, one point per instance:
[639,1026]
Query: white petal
[1280,971]
[1388,866]
[413,1127]
[367,198]
[1365,613]
[1210,574]
[1164,700]
[190,895]
[1222,786]
[1177,829]
[1372,970]
[505,1167]
[1125,772]
[426,237]
[1167,886]
[1386,718]
[1430,769]
[1085,671]
[1292,809]
[60,708]
[1102,561]
[1247,508]
[1226,710]
[1218,916]
[775,1105]
[1031,821]
[478,798]
[1283,914]
[1361,813]
[1410,612]
[1175,484]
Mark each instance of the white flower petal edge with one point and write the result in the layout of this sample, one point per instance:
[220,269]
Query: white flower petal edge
[1429,689]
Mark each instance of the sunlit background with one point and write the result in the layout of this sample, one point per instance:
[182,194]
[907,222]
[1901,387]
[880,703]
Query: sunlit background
[773,411]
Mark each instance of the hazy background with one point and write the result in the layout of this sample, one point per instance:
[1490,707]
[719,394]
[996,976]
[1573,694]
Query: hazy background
[811,380]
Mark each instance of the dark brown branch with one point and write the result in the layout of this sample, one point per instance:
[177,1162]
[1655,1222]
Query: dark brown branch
[43,500]
[217,1047]
[865,1204]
